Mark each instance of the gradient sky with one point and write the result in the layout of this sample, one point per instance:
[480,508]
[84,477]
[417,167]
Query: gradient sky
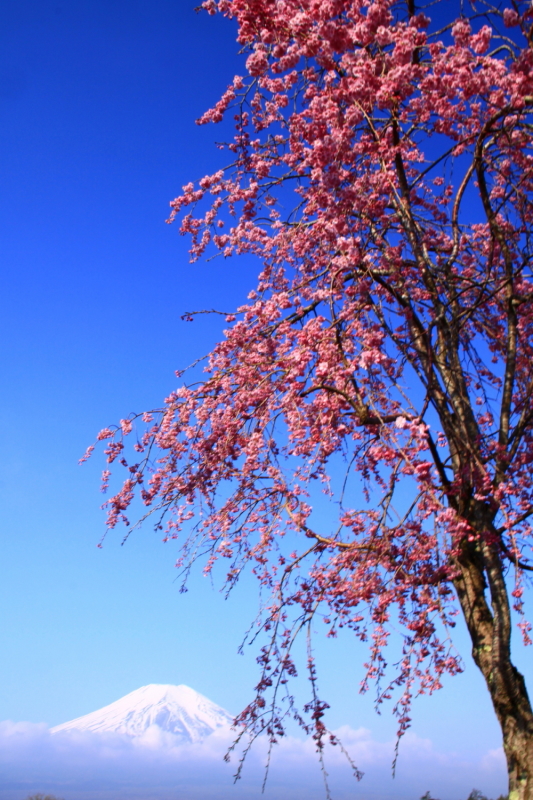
[98,100]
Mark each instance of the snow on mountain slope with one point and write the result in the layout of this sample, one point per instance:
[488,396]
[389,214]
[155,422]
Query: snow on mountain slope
[176,709]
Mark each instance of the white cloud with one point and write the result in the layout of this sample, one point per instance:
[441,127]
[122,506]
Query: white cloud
[88,766]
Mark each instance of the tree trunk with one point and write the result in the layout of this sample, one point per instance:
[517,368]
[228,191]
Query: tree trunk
[481,568]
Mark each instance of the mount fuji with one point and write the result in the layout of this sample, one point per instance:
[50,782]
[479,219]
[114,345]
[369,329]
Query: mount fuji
[179,710]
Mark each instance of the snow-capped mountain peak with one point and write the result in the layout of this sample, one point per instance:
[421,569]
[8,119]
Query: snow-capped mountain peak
[176,709]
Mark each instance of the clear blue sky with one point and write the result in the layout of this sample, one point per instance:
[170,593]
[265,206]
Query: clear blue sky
[97,101]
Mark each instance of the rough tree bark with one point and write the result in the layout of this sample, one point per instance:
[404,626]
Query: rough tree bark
[490,631]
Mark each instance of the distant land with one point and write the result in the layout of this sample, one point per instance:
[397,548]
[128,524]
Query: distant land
[179,710]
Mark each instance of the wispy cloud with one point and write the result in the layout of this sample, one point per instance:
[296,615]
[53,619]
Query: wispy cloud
[86,766]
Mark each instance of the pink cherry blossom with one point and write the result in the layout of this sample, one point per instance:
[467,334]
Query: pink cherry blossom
[382,174]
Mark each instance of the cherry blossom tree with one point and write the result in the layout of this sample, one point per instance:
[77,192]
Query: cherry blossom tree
[362,436]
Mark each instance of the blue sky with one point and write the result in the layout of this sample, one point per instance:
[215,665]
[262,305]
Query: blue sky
[97,101]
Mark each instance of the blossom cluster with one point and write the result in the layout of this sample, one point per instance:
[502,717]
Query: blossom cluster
[391,330]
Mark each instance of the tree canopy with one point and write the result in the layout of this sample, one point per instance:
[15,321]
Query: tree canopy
[382,173]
